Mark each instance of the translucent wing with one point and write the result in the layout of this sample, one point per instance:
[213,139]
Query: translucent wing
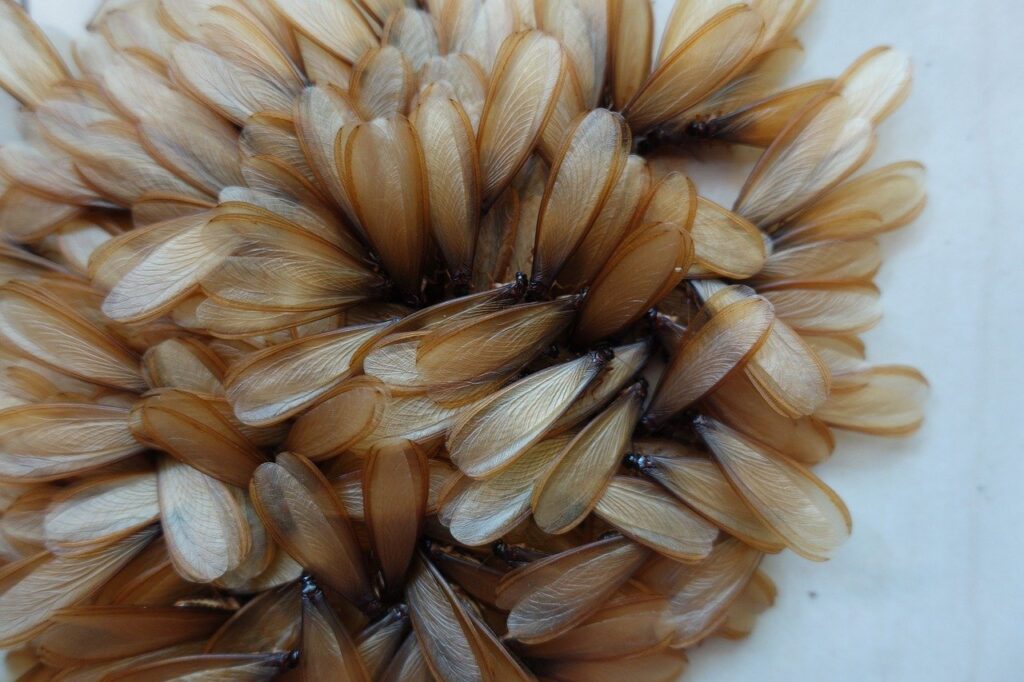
[61,338]
[826,308]
[584,173]
[791,500]
[876,84]
[184,363]
[305,516]
[447,641]
[383,170]
[499,429]
[528,73]
[701,594]
[350,414]
[738,403]
[642,271]
[338,27]
[200,432]
[548,597]
[29,65]
[700,64]
[494,343]
[649,515]
[622,630]
[725,244]
[575,481]
[395,486]
[697,481]
[710,353]
[203,523]
[101,511]
[819,148]
[869,204]
[453,177]
[274,384]
[632,31]
[610,227]
[55,440]
[33,589]
[382,83]
[328,651]
[884,401]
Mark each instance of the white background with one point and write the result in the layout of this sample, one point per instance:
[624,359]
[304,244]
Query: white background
[929,587]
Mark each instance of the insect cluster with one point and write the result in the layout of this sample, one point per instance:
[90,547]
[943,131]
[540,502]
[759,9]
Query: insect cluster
[375,340]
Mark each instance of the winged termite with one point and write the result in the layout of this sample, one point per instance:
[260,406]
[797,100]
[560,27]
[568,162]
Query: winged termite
[395,485]
[292,494]
[51,441]
[382,167]
[225,205]
[644,512]
[701,593]
[33,589]
[549,597]
[270,622]
[700,483]
[527,75]
[791,500]
[883,401]
[574,482]
[818,149]
[731,335]
[478,512]
[101,511]
[630,44]
[203,524]
[702,62]
[589,164]
[273,384]
[88,633]
[499,429]
[760,122]
[645,267]
[447,642]
[327,648]
[452,176]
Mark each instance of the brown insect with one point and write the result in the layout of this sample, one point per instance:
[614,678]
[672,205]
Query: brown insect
[381,340]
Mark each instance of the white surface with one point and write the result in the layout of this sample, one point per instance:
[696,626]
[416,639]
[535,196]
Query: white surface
[928,587]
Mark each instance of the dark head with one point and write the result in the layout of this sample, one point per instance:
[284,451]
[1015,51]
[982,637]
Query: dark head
[637,462]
